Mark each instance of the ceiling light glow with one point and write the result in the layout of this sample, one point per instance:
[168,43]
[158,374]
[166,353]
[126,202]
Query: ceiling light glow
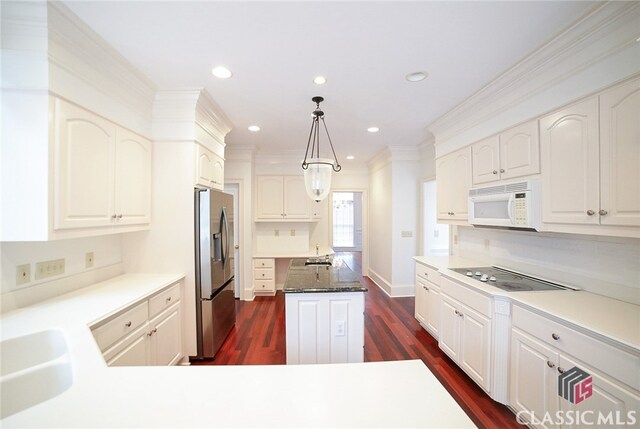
[319,80]
[417,76]
[221,72]
[373,129]
[350,157]
[253,128]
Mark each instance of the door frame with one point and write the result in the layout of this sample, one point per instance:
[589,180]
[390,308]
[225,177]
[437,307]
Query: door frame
[239,218]
[365,224]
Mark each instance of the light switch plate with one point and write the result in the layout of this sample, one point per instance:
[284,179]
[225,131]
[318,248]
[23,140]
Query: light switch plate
[51,268]
[88,260]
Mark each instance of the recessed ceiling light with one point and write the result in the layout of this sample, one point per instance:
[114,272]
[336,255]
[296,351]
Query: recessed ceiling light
[319,80]
[350,157]
[416,76]
[221,72]
[253,128]
[373,129]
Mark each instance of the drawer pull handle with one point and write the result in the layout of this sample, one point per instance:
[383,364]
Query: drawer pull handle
[555,336]
[502,170]
[603,212]
[168,299]
[128,324]
[561,370]
[426,288]
[550,364]
[152,332]
[590,212]
[495,171]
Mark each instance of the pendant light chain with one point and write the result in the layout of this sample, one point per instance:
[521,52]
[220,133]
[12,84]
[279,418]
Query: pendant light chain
[314,139]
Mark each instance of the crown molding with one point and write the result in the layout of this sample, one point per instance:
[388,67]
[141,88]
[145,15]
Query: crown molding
[606,30]
[189,114]
[380,160]
[84,68]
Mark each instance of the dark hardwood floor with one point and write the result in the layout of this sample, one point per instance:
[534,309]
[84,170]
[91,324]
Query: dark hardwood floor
[391,333]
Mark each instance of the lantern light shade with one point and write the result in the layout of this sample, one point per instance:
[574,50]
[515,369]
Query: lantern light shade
[317,178]
[317,171]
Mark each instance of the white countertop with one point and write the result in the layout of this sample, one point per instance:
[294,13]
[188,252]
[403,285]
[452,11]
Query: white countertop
[382,394]
[283,253]
[610,319]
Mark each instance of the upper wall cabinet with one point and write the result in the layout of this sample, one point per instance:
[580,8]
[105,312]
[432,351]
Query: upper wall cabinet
[453,173]
[591,164]
[282,198]
[102,173]
[512,153]
[209,169]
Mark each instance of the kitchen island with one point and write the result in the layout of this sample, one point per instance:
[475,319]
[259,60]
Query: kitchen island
[324,313]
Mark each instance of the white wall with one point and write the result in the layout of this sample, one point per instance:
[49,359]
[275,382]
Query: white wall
[107,263]
[604,265]
[380,225]
[405,218]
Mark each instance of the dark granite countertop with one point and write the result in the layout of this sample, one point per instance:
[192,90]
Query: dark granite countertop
[313,279]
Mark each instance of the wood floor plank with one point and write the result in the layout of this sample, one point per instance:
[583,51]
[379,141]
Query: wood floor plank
[391,333]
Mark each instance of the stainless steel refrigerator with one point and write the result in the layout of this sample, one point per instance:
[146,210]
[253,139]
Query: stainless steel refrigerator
[215,298]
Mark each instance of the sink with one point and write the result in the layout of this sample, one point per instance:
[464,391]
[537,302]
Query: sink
[33,369]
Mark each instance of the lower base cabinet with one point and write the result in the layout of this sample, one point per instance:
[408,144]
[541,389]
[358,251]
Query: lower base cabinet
[152,332]
[537,369]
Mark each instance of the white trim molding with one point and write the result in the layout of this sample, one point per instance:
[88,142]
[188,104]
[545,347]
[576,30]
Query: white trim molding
[598,50]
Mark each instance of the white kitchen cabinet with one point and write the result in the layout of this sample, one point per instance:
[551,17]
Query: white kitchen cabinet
[620,155]
[264,280]
[543,349]
[570,167]
[427,298]
[324,327]
[165,337]
[145,333]
[102,172]
[318,209]
[512,153]
[591,164]
[209,169]
[282,198]
[453,174]
[465,330]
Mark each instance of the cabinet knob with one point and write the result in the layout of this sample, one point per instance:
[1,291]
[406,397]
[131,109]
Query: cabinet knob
[168,299]
[603,212]
[561,370]
[550,364]
[495,171]
[555,336]
[426,288]
[590,212]
[502,170]
[119,216]
[128,324]
[113,216]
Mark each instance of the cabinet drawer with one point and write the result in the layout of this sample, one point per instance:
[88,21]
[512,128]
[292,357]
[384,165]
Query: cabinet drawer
[121,325]
[263,273]
[427,273]
[164,299]
[606,358]
[263,263]
[264,286]
[470,298]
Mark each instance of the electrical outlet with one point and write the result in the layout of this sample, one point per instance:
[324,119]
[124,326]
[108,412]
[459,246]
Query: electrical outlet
[340,327]
[49,268]
[88,260]
[293,232]
[406,234]
[23,274]
[276,232]
[436,233]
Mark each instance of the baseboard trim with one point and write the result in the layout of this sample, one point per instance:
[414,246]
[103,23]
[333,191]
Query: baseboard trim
[394,291]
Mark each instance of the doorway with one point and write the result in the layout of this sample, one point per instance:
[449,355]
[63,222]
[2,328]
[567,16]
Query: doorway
[435,236]
[347,229]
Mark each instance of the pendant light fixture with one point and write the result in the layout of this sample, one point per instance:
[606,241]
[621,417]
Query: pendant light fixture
[317,171]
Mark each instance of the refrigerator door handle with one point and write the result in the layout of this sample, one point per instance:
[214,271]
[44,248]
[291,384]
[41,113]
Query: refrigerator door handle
[226,244]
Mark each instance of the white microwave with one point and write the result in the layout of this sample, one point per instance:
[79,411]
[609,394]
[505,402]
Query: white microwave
[512,206]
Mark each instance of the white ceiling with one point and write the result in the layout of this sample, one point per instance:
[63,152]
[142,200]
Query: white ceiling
[364,49]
